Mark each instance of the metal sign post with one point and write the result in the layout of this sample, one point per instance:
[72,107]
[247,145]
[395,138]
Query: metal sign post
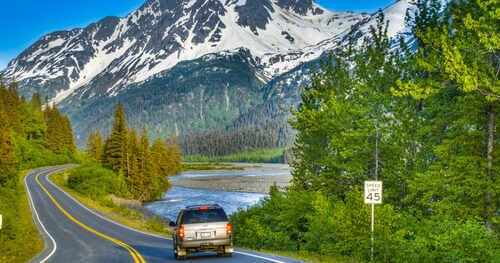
[0,221]
[373,196]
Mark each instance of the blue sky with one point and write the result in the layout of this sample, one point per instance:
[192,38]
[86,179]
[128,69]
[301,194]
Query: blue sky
[22,22]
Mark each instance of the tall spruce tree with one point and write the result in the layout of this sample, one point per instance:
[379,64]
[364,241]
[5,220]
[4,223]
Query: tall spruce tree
[95,147]
[116,144]
[59,134]
[145,167]
[133,175]
[8,160]
[33,119]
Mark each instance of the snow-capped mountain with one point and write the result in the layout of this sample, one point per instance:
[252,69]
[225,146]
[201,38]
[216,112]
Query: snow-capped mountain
[180,66]
[116,52]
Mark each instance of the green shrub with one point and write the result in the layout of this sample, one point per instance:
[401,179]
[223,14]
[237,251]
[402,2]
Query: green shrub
[94,181]
[32,154]
[315,223]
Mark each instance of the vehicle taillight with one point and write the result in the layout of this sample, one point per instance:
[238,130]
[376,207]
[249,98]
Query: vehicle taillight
[180,231]
[203,208]
[229,229]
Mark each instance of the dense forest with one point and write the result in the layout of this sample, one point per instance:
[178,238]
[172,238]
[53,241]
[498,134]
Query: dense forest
[31,135]
[422,118]
[271,134]
[142,168]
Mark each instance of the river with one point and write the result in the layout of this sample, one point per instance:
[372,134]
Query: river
[179,196]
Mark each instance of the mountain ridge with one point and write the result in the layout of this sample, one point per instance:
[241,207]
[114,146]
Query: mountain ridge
[259,71]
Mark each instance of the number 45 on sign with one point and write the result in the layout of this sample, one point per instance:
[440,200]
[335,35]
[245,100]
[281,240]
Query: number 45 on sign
[373,192]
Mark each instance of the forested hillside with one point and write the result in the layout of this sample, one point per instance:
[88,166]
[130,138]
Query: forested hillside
[425,123]
[30,136]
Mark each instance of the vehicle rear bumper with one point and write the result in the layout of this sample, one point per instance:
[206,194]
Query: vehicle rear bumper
[208,243]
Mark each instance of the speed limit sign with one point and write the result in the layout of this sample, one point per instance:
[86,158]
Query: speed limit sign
[373,192]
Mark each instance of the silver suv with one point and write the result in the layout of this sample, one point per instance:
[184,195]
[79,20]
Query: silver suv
[202,228]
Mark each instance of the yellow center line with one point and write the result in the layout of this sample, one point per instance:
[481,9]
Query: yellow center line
[135,255]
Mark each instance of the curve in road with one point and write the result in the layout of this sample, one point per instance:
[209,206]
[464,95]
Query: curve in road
[75,233]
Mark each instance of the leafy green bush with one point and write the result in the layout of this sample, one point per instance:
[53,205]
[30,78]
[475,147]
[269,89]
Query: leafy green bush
[314,222]
[31,154]
[94,181]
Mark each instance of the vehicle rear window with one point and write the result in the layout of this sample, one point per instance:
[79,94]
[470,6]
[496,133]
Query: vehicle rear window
[203,216]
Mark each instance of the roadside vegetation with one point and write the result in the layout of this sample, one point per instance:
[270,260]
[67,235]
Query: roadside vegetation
[275,155]
[29,137]
[423,122]
[141,169]
[97,188]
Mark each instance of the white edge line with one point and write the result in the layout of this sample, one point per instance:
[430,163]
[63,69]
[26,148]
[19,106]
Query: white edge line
[136,230]
[33,208]
[257,256]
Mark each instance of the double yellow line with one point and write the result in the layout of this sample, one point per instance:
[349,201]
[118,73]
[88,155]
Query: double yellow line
[135,255]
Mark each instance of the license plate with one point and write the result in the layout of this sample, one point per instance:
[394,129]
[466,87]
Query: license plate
[206,235]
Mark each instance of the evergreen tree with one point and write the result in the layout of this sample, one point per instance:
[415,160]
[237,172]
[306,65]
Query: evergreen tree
[175,157]
[95,147]
[132,164]
[115,147]
[12,105]
[33,119]
[8,158]
[145,167]
[163,165]
[59,135]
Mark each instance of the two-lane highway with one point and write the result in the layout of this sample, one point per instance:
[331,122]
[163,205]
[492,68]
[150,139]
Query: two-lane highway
[75,233]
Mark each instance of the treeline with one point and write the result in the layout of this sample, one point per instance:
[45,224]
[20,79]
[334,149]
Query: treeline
[143,168]
[271,134]
[424,122]
[31,135]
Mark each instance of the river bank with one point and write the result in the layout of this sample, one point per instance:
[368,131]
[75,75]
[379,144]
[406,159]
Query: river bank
[250,178]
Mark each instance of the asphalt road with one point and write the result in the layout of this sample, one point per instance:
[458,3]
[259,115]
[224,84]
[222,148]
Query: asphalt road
[75,233]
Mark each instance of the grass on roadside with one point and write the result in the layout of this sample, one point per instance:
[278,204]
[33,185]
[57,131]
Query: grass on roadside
[19,238]
[118,213]
[255,156]
[307,256]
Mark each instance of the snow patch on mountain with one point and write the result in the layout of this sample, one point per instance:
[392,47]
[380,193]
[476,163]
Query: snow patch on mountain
[115,53]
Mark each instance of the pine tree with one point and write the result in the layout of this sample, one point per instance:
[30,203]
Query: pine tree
[11,103]
[161,157]
[145,167]
[33,119]
[8,158]
[59,135]
[95,147]
[175,156]
[133,175]
[115,147]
